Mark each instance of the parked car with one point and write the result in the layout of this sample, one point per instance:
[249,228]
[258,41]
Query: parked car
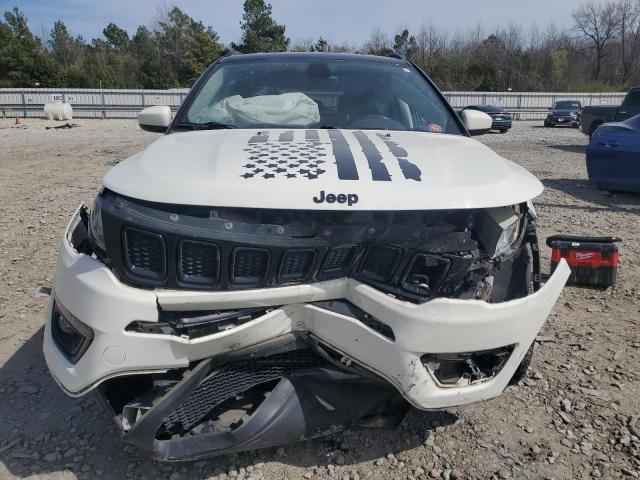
[564,113]
[502,121]
[316,240]
[613,156]
[593,117]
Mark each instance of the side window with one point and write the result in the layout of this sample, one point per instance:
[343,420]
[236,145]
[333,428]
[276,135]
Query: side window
[632,99]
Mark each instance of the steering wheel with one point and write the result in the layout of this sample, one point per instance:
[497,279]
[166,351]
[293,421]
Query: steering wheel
[376,122]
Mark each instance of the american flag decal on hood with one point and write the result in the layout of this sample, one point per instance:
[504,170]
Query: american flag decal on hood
[311,153]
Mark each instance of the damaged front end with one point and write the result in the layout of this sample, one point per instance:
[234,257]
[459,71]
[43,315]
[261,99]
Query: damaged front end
[273,394]
[216,330]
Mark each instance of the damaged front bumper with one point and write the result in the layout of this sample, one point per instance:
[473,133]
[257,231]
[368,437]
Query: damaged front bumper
[373,358]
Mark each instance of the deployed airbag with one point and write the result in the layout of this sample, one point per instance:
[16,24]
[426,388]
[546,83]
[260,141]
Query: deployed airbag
[288,109]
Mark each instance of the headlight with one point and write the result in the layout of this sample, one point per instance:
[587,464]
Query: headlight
[574,115]
[508,238]
[96,232]
[500,229]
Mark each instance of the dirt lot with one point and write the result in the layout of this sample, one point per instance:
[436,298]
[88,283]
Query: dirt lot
[572,418]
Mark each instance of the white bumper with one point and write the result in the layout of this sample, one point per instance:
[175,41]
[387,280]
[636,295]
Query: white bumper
[90,291]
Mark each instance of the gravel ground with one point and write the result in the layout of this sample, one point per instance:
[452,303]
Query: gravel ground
[573,417]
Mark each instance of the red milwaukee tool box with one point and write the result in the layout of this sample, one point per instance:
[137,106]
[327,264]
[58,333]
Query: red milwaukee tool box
[593,260]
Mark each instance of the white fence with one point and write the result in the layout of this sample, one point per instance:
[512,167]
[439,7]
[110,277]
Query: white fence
[104,103]
[87,103]
[529,105]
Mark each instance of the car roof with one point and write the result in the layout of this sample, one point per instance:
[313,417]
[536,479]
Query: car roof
[486,108]
[235,57]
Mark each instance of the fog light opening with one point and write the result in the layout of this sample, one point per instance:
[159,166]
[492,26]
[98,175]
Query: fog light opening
[70,335]
[467,368]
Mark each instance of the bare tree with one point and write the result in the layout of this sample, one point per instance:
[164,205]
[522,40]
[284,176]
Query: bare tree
[303,45]
[597,24]
[629,15]
[430,43]
[379,43]
[512,39]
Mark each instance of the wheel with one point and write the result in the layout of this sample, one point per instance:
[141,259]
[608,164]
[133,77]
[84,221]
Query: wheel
[503,130]
[522,369]
[593,128]
[547,124]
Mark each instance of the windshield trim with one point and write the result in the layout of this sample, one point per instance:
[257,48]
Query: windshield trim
[181,115]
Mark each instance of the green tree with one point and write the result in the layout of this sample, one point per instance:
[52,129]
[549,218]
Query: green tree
[69,54]
[405,44]
[117,38]
[186,46]
[23,60]
[260,33]
[145,61]
[321,46]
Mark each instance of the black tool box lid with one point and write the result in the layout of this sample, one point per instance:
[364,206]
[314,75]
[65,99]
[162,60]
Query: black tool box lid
[592,244]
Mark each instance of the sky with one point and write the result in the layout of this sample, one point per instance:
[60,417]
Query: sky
[339,21]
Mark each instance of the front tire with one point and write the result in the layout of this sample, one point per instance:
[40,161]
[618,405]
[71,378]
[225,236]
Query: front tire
[523,368]
[503,130]
[593,129]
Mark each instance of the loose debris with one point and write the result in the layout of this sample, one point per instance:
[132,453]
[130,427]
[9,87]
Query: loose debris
[65,126]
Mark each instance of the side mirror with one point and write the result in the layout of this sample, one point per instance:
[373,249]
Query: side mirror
[155,119]
[476,122]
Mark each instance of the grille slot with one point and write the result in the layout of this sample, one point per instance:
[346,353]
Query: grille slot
[339,259]
[250,265]
[232,379]
[425,274]
[296,265]
[145,254]
[381,262]
[199,263]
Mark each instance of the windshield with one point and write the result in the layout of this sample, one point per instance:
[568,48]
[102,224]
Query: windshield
[331,93]
[567,106]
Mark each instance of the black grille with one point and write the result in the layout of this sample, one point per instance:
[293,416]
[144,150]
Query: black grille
[381,262]
[145,254]
[250,265]
[339,259]
[199,263]
[231,379]
[188,247]
[296,265]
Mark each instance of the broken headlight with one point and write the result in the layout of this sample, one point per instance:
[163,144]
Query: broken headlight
[508,238]
[500,230]
[96,232]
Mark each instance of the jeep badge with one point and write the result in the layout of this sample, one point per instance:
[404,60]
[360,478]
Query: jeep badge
[348,198]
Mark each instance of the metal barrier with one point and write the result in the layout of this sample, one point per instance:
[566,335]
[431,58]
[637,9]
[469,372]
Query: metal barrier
[530,105]
[87,103]
[106,103]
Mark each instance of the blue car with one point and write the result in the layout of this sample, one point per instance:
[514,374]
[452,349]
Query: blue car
[613,156]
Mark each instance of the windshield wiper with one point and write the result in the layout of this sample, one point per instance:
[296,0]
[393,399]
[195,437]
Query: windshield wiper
[204,126]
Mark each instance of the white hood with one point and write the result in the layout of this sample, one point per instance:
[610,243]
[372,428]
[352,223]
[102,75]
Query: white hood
[323,170]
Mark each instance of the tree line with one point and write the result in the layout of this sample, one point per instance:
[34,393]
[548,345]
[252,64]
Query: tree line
[600,51]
